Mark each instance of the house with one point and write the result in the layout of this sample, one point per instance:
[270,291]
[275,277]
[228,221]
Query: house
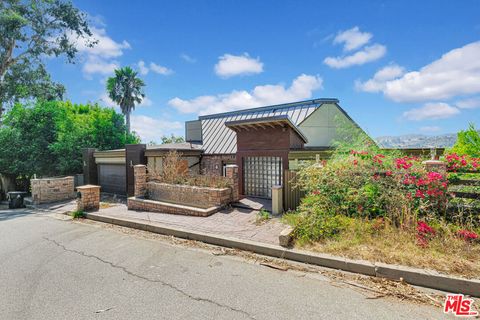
[263,142]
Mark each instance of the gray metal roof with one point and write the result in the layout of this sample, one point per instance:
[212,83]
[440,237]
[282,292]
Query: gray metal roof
[183,146]
[219,139]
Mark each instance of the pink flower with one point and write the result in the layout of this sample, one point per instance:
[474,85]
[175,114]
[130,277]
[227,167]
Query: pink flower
[467,235]
[419,194]
[424,228]
[388,173]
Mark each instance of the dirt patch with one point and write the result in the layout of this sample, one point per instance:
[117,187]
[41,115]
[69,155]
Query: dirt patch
[448,255]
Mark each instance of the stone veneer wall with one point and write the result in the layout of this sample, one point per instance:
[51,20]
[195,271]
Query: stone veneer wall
[52,189]
[189,195]
[89,199]
[139,180]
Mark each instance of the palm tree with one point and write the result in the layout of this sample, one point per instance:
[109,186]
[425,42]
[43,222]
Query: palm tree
[126,90]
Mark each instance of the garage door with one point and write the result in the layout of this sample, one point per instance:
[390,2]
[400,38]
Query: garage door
[260,174]
[112,178]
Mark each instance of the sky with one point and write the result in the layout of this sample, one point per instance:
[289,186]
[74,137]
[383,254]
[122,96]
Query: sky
[397,67]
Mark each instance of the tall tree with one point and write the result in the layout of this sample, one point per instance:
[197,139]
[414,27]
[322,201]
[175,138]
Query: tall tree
[30,31]
[47,138]
[126,90]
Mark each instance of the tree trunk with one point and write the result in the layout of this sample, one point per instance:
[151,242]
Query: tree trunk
[127,117]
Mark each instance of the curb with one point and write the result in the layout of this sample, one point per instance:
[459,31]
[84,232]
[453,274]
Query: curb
[413,276]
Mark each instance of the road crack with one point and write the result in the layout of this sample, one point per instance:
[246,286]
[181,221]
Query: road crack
[144,278]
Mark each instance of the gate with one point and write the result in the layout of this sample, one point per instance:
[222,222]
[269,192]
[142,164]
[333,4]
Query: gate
[260,174]
[292,194]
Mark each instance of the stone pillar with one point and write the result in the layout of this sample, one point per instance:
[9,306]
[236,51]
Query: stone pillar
[277,200]
[231,172]
[140,180]
[436,166]
[88,198]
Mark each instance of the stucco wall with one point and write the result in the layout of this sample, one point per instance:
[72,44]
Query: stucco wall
[320,127]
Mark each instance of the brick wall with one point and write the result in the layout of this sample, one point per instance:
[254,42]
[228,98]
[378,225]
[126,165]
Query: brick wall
[189,195]
[52,189]
[89,199]
[213,164]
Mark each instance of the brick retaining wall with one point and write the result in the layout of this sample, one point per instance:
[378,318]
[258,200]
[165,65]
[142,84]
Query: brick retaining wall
[189,195]
[52,189]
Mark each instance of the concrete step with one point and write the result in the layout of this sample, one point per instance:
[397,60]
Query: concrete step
[256,204]
[141,204]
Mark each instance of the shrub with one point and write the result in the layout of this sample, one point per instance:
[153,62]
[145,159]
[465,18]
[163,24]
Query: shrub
[262,216]
[459,163]
[468,142]
[77,214]
[371,185]
[175,171]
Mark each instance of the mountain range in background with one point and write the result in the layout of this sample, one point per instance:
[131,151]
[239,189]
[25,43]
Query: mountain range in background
[417,141]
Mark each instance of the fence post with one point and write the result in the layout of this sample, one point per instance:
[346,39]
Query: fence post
[231,172]
[140,180]
[277,200]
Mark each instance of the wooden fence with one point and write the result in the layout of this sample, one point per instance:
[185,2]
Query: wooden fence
[292,194]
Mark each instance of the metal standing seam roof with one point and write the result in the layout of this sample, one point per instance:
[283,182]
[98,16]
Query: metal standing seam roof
[219,139]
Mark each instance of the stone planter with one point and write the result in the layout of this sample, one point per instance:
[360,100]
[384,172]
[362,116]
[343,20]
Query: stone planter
[201,197]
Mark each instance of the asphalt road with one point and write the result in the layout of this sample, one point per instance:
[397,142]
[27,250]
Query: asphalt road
[54,269]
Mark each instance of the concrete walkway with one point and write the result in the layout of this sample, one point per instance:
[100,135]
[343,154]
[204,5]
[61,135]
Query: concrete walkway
[235,222]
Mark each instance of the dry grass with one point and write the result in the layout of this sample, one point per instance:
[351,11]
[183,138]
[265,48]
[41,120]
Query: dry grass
[447,253]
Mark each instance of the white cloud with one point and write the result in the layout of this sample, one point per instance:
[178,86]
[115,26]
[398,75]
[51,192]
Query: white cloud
[188,58]
[152,129]
[95,65]
[142,68]
[106,47]
[431,111]
[430,129]
[471,103]
[160,69]
[99,58]
[352,38]
[456,73]
[229,65]
[380,78]
[367,54]
[105,100]
[146,102]
[301,88]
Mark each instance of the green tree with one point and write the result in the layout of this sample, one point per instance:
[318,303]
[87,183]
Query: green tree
[172,139]
[46,139]
[30,31]
[468,142]
[126,90]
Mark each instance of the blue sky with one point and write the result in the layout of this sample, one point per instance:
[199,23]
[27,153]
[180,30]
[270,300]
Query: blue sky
[397,67]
